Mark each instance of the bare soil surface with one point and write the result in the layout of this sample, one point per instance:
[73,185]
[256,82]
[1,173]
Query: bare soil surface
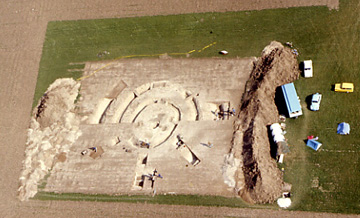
[277,66]
[23,25]
[138,116]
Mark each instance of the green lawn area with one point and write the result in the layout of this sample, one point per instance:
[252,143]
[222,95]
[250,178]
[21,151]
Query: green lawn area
[157,199]
[336,165]
[330,38]
[243,34]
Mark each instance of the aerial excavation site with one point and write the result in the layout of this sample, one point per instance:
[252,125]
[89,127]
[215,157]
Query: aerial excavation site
[180,108]
[161,126]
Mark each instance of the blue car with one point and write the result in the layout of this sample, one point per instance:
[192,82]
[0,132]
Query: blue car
[315,102]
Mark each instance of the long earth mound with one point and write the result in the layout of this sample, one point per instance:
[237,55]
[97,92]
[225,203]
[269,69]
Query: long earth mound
[259,172]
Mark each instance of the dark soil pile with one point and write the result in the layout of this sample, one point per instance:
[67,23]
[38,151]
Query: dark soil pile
[57,101]
[262,180]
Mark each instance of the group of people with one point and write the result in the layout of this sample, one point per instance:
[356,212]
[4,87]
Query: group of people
[144,144]
[155,174]
[94,149]
[229,112]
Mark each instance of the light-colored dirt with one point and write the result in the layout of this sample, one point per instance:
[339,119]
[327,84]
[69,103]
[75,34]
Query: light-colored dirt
[125,106]
[52,131]
[23,25]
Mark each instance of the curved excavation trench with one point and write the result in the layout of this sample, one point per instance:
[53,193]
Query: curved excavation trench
[155,109]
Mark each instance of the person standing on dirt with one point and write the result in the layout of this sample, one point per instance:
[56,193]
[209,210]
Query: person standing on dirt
[233,112]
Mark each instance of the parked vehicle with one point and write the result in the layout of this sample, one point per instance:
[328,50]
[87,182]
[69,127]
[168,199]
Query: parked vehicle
[292,100]
[308,69]
[344,87]
[315,102]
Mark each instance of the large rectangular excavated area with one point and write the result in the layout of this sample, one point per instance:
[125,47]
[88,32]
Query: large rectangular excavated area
[154,125]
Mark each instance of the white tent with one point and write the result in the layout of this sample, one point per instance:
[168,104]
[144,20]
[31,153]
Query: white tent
[284,202]
[277,133]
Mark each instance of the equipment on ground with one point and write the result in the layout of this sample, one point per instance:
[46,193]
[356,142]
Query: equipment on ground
[312,143]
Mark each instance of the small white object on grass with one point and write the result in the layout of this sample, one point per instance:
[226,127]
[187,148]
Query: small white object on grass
[284,202]
[223,52]
[281,158]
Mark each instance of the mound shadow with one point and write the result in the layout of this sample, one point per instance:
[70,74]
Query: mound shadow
[273,145]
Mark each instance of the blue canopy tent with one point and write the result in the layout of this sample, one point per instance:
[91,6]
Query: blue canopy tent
[313,144]
[343,128]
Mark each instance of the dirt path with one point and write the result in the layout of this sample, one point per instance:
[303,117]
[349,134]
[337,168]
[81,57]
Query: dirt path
[23,25]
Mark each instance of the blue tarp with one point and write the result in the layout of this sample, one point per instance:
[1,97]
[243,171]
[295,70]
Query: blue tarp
[343,128]
[313,144]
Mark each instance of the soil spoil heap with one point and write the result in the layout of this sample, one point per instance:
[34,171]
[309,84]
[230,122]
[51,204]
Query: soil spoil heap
[54,127]
[259,180]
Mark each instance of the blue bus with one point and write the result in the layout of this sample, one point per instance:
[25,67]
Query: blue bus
[292,100]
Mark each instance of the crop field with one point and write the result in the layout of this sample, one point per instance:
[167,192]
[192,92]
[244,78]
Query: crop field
[327,180]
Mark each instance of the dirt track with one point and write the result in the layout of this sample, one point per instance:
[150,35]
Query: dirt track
[23,25]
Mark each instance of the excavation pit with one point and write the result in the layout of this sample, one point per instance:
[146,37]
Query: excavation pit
[136,117]
[187,119]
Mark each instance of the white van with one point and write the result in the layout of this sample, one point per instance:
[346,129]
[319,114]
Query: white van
[308,69]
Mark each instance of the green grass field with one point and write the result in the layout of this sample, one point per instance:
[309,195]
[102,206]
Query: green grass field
[330,38]
[157,199]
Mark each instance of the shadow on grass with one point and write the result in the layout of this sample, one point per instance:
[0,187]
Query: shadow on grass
[333,88]
[273,145]
[280,102]
[308,101]
[301,68]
